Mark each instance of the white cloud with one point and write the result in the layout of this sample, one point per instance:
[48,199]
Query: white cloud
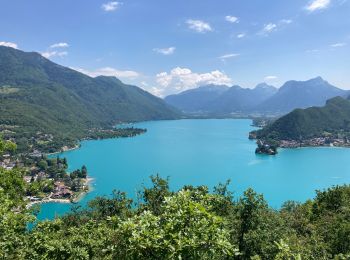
[199,26]
[108,71]
[111,6]
[59,45]
[231,19]
[270,78]
[165,51]
[317,5]
[339,44]
[241,35]
[228,56]
[54,53]
[271,27]
[144,84]
[180,79]
[157,91]
[268,28]
[164,79]
[286,21]
[9,44]
[50,54]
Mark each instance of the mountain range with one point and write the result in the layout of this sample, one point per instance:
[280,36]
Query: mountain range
[39,95]
[263,99]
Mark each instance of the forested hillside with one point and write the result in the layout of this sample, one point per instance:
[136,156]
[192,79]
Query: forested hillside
[38,95]
[332,119]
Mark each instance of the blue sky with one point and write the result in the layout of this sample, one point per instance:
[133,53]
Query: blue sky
[169,46]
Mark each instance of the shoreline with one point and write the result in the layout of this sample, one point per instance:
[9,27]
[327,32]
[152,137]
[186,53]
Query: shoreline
[331,145]
[66,150]
[79,141]
[47,200]
[77,199]
[89,180]
[272,147]
[82,194]
[315,146]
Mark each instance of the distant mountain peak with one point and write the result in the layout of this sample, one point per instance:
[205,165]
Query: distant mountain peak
[264,85]
[263,99]
[301,94]
[314,82]
[318,79]
[220,99]
[236,87]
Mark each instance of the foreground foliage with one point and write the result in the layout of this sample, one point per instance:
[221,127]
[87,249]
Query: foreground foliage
[189,224]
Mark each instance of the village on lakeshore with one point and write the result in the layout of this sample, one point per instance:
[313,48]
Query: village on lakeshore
[47,177]
[270,147]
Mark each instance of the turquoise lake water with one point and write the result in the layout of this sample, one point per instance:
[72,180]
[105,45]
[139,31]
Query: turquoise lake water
[204,152]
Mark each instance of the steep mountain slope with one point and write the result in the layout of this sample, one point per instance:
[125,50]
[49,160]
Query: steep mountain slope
[334,117]
[39,95]
[300,94]
[196,100]
[220,99]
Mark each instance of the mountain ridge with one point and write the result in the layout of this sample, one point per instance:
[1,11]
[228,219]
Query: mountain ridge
[263,99]
[216,99]
[301,94]
[41,96]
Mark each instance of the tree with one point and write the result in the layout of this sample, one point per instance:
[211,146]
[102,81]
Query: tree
[258,227]
[43,165]
[154,196]
[284,252]
[73,175]
[12,183]
[118,205]
[14,217]
[65,162]
[84,172]
[184,229]
[76,185]
[6,146]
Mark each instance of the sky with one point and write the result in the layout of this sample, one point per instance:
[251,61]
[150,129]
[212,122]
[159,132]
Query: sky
[169,46]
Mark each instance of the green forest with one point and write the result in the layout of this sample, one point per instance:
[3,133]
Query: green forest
[191,223]
[331,120]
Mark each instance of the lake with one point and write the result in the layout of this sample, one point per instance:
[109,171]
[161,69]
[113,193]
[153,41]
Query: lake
[204,152]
